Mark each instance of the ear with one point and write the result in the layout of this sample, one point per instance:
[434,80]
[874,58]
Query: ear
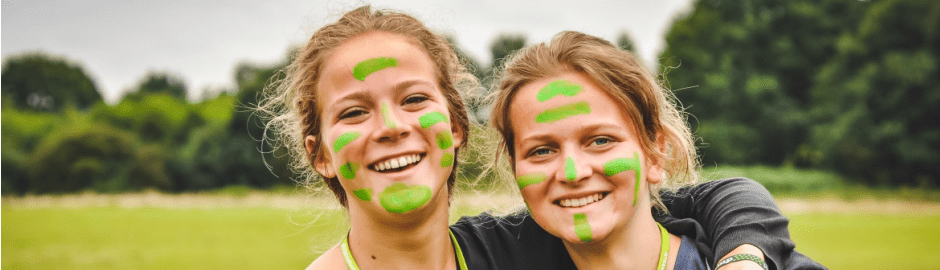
[655,169]
[457,134]
[322,163]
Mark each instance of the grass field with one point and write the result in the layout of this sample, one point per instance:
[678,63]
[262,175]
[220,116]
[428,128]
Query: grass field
[115,235]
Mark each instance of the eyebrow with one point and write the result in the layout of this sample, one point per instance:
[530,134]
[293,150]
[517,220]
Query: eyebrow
[584,129]
[398,88]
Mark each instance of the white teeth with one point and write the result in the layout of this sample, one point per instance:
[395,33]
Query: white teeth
[580,202]
[395,163]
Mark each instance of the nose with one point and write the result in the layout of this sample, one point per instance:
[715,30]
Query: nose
[391,129]
[575,170]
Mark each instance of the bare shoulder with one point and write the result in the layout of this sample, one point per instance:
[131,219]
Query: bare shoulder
[331,259]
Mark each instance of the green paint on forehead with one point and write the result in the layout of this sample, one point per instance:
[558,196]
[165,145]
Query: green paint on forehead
[369,66]
[344,139]
[563,111]
[348,170]
[447,159]
[401,198]
[364,194]
[582,228]
[431,118]
[626,164]
[387,116]
[559,87]
[530,178]
[445,139]
[570,171]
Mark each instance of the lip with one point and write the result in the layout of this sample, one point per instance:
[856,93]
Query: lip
[579,195]
[372,165]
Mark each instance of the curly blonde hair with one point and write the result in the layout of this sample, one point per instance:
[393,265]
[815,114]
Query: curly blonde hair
[290,104]
[622,77]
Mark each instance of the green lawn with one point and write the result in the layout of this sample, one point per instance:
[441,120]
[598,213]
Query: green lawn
[267,238]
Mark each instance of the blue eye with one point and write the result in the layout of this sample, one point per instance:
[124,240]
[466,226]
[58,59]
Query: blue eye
[600,141]
[540,152]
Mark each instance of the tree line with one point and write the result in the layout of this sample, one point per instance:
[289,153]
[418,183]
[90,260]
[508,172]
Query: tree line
[847,86]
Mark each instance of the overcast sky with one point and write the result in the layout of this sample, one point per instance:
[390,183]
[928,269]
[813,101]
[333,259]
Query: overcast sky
[118,42]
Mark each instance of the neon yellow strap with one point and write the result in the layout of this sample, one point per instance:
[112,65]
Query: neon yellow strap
[351,262]
[664,249]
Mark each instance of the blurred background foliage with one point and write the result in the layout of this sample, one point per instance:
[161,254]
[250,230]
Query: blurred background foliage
[844,88]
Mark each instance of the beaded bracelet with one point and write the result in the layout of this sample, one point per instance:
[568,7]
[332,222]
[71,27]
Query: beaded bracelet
[742,257]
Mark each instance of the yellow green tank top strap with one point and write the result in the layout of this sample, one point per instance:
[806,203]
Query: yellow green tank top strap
[351,262]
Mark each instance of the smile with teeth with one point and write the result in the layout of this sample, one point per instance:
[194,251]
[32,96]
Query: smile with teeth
[395,163]
[578,202]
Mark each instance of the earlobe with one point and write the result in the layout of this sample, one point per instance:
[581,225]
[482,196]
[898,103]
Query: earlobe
[458,135]
[322,161]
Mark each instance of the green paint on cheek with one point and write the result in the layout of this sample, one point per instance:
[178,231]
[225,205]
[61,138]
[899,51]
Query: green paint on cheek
[626,164]
[431,118]
[348,170]
[530,178]
[563,111]
[344,139]
[582,228]
[570,171]
[400,198]
[445,139]
[559,87]
[369,66]
[387,116]
[447,159]
[364,194]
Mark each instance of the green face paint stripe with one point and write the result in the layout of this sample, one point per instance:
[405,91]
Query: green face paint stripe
[582,228]
[369,66]
[344,139]
[626,164]
[348,170]
[445,139]
[559,87]
[387,116]
[563,111]
[447,159]
[431,118]
[530,178]
[400,198]
[570,172]
[364,194]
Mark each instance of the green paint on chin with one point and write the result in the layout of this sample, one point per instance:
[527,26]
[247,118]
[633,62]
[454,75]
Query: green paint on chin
[431,118]
[530,178]
[447,159]
[364,194]
[559,87]
[570,172]
[387,116]
[626,164]
[348,170]
[369,66]
[445,139]
[582,228]
[344,139]
[563,111]
[400,198]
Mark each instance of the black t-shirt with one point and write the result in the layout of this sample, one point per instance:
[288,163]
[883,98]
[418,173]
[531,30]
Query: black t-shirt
[733,211]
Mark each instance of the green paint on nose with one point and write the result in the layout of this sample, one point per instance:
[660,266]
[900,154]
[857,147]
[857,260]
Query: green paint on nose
[582,228]
[445,139]
[401,198]
[344,139]
[570,172]
[431,118]
[364,194]
[387,116]
[562,112]
[626,164]
[348,170]
[530,178]
[369,66]
[559,87]
[447,159]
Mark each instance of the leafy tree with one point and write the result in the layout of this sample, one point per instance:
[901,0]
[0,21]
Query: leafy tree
[876,98]
[625,42]
[159,82]
[47,83]
[503,45]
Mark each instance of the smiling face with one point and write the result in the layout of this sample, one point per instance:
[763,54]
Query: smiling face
[385,126]
[578,160]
